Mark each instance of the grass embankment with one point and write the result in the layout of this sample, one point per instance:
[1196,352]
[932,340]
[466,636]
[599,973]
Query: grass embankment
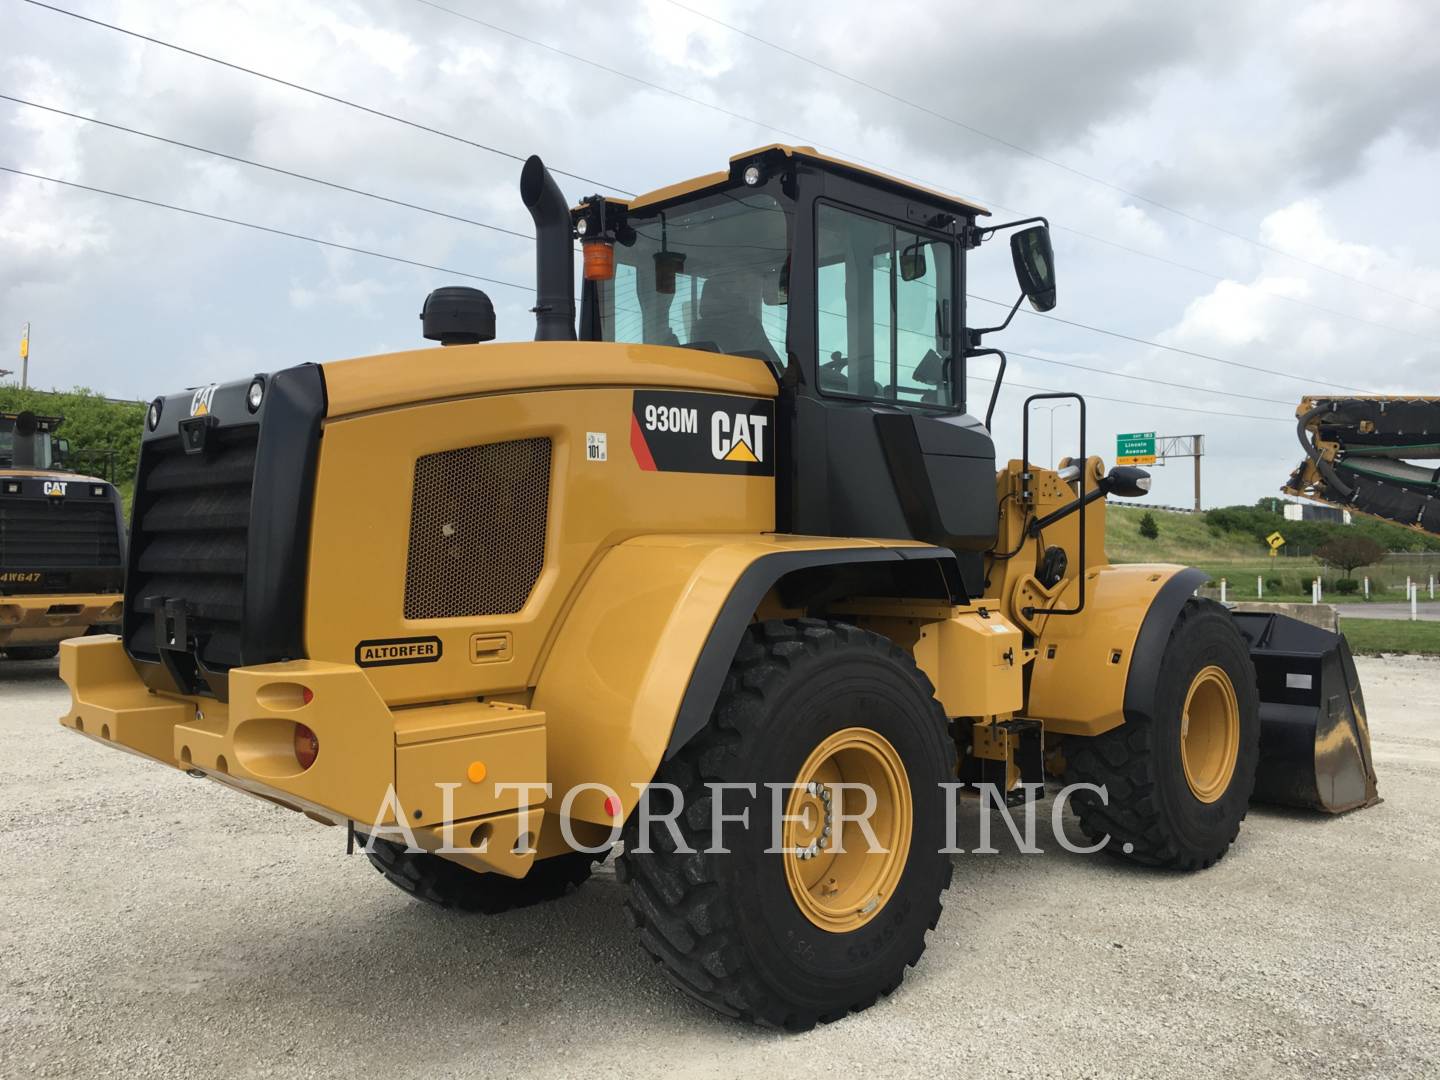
[1240,559]
[1372,636]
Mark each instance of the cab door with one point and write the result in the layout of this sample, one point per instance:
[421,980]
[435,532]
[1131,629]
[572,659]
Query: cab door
[881,444]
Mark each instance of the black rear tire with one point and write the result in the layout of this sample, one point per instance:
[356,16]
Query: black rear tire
[436,880]
[727,928]
[1153,815]
[32,652]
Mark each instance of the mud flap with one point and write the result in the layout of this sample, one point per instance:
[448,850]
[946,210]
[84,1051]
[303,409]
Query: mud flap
[1314,738]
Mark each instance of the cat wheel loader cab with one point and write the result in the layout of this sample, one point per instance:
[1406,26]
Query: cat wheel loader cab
[61,542]
[714,552]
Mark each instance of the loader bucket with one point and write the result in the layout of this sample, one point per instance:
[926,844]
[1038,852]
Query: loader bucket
[1314,739]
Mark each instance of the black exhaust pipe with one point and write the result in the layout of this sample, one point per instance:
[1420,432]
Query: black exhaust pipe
[22,453]
[554,253]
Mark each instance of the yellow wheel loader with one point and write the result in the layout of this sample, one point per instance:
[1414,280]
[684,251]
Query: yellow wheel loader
[720,566]
[62,542]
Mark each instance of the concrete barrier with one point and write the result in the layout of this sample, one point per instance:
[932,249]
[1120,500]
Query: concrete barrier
[1325,616]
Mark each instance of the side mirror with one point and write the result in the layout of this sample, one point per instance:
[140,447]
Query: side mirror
[1035,265]
[62,448]
[1126,482]
[912,262]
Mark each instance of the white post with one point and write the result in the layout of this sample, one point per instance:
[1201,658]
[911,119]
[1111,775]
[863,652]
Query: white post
[1319,589]
[1223,585]
[1315,591]
[1414,598]
[1367,588]
[1407,586]
[1260,587]
[1432,586]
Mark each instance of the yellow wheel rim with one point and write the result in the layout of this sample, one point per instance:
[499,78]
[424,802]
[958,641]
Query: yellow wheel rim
[1210,734]
[836,878]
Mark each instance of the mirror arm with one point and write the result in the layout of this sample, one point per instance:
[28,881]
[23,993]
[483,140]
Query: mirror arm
[975,335]
[990,230]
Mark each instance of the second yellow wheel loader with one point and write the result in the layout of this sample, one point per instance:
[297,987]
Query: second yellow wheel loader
[62,542]
[720,566]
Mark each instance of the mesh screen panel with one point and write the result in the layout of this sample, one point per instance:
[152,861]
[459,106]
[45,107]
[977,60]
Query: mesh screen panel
[477,529]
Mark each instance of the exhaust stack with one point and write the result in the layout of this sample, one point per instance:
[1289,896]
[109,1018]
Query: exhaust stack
[554,253]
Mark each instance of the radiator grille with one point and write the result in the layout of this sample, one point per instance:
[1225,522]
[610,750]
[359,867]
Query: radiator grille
[190,540]
[58,534]
[477,529]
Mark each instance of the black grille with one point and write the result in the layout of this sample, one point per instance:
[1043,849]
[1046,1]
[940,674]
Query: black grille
[189,543]
[72,533]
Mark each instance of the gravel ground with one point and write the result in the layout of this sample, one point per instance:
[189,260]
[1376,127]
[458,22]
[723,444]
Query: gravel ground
[160,926]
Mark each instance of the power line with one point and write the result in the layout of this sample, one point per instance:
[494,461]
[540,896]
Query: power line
[1308,379]
[267,168]
[755,121]
[494,281]
[488,25]
[1146,378]
[1007,384]
[583,179]
[316,93]
[962,125]
[263,228]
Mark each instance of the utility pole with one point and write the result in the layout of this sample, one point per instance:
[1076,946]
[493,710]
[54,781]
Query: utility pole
[1182,446]
[25,357]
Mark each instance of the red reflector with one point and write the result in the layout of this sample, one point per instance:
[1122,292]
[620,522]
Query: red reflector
[307,746]
[306,695]
[612,805]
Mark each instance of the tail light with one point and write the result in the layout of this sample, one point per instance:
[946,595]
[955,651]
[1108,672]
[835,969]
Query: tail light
[307,746]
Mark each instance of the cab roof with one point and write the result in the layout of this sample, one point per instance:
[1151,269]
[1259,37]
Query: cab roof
[812,156]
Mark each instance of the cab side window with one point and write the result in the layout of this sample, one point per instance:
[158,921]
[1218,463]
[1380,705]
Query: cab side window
[884,315]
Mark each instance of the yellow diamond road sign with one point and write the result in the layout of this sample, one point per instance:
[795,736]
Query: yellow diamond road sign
[1275,540]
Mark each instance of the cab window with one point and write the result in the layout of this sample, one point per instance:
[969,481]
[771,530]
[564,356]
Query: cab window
[712,274]
[884,319]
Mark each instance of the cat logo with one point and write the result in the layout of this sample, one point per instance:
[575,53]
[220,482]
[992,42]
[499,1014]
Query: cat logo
[201,401]
[740,437]
[56,488]
[720,434]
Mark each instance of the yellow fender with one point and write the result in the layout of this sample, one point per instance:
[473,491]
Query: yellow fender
[640,657]
[1093,667]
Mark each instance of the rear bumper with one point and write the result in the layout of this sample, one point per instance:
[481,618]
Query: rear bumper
[47,619]
[375,767]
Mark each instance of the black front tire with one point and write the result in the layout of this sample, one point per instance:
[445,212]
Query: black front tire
[435,880]
[32,652]
[1151,814]
[726,927]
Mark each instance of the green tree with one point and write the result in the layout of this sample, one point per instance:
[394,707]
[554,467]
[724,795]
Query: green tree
[1349,553]
[91,422]
[1148,528]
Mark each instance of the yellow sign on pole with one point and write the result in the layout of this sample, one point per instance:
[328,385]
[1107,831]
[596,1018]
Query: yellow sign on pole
[1276,542]
[25,343]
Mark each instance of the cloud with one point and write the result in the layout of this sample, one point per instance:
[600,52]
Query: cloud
[1309,129]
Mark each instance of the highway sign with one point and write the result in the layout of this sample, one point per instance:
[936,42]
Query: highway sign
[1137,448]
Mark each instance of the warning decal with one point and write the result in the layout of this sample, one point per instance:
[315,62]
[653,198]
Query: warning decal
[679,431]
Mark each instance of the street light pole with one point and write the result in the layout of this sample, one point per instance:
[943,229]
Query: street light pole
[1051,410]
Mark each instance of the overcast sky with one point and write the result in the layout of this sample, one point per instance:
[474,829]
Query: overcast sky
[1270,130]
